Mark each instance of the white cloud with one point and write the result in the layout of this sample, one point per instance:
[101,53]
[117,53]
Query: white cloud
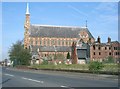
[108,19]
[77,10]
[106,13]
[107,7]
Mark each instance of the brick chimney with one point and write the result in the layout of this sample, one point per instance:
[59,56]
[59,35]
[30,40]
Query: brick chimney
[98,39]
[109,40]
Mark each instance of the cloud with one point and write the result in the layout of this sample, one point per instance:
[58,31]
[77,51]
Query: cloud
[77,10]
[106,13]
[107,7]
[108,19]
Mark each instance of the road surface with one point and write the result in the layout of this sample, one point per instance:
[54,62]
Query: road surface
[32,78]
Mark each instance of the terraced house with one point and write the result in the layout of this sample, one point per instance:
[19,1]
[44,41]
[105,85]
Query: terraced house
[48,41]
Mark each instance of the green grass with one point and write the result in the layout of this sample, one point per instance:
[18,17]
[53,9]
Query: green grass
[111,67]
[61,66]
[107,67]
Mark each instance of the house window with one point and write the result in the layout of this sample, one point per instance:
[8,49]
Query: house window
[118,48]
[70,43]
[48,42]
[63,43]
[93,47]
[105,48]
[44,42]
[36,42]
[53,42]
[99,53]
[66,43]
[40,42]
[58,42]
[99,47]
[118,53]
[109,53]
[114,48]
[109,48]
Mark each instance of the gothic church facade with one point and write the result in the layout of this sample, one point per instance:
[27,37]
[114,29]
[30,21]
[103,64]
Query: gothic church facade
[50,40]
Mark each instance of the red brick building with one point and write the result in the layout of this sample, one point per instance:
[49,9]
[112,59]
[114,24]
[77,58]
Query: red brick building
[49,41]
[101,51]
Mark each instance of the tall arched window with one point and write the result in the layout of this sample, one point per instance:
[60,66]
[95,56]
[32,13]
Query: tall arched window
[66,43]
[40,42]
[62,42]
[58,42]
[52,42]
[93,47]
[48,42]
[44,42]
[36,42]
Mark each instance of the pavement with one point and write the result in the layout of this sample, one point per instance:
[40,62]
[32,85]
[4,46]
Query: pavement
[40,78]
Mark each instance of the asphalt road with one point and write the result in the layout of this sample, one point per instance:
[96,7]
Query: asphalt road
[20,78]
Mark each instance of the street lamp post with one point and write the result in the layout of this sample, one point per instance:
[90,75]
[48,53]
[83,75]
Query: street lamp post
[55,52]
[39,55]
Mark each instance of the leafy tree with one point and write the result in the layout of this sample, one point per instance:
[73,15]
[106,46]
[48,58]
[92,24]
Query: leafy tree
[68,55]
[95,66]
[19,55]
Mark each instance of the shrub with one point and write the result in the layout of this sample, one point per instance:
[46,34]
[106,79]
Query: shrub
[109,60]
[45,62]
[68,55]
[95,66]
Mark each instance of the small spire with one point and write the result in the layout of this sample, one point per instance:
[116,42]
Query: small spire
[27,9]
[86,23]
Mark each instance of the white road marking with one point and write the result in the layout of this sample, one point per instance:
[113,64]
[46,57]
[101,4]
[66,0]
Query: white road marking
[63,86]
[66,87]
[9,75]
[32,80]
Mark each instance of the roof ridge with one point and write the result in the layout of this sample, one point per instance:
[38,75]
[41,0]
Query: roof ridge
[57,26]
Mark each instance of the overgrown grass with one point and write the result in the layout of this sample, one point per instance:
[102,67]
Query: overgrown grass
[107,67]
[62,66]
[81,68]
[110,67]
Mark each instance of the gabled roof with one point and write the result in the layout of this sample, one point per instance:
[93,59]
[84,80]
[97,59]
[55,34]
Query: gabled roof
[114,41]
[56,31]
[104,44]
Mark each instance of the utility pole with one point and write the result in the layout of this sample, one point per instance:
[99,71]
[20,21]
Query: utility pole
[55,51]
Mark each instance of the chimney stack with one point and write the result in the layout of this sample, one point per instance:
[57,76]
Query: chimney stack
[98,40]
[109,40]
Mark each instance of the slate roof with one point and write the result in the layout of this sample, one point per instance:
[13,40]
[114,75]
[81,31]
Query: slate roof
[50,49]
[114,41]
[56,31]
[104,44]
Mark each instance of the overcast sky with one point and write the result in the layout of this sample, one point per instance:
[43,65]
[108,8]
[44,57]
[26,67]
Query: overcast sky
[102,19]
